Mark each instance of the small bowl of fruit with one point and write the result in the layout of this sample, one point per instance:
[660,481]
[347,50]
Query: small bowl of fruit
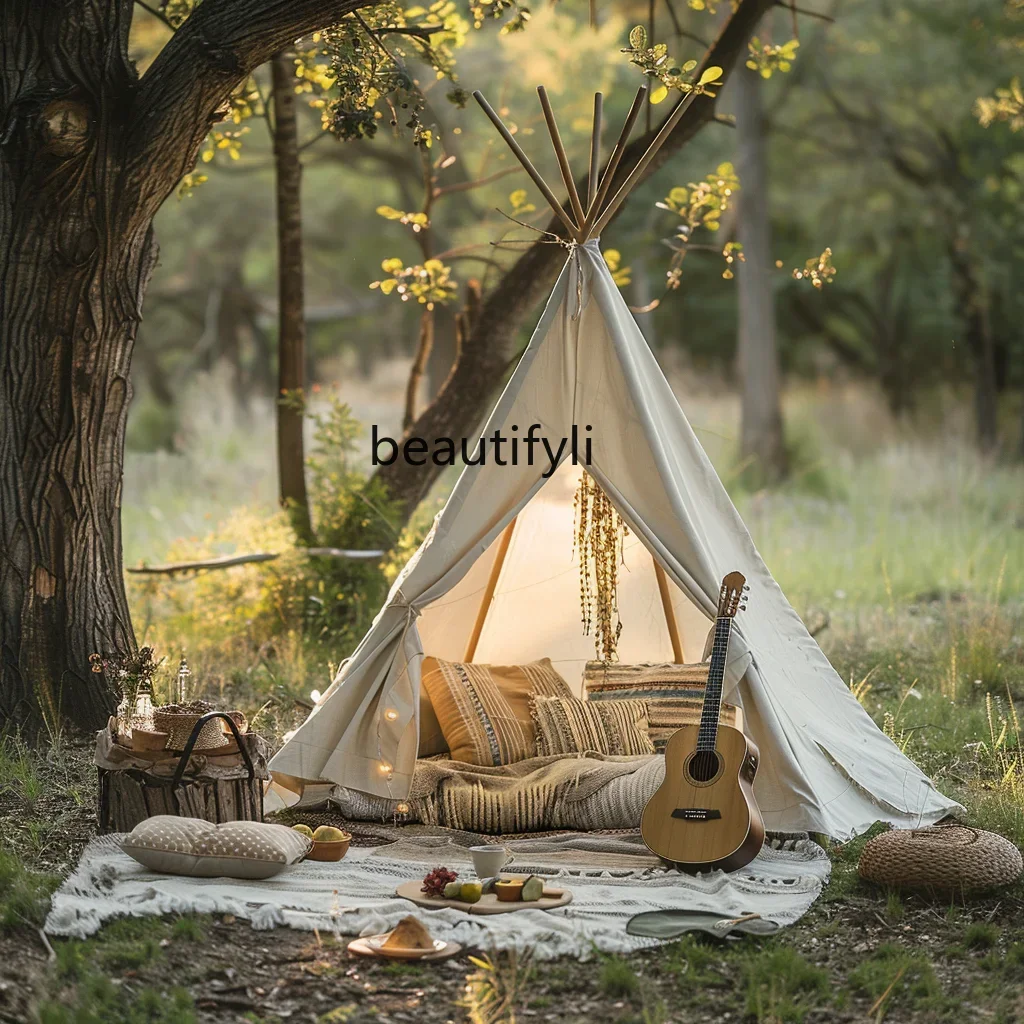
[329,843]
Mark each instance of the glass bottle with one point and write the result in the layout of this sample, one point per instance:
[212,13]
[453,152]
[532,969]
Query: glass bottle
[142,716]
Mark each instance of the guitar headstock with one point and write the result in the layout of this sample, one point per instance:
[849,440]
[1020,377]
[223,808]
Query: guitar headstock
[734,590]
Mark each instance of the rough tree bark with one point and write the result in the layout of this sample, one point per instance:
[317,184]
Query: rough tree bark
[762,441]
[88,153]
[489,348]
[291,337]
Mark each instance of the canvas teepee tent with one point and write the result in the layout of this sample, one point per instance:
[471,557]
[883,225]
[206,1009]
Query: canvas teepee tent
[493,580]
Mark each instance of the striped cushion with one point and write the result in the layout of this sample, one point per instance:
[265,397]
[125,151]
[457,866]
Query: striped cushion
[674,694]
[566,725]
[484,710]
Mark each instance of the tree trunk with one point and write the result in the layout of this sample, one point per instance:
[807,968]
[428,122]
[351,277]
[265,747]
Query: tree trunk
[762,442]
[972,306]
[74,264]
[444,350]
[88,153]
[424,347]
[291,341]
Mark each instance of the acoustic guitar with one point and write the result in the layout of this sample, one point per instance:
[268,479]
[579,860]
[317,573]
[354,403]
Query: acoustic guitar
[704,815]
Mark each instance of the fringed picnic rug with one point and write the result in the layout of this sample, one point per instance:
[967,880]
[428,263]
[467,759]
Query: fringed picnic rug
[612,878]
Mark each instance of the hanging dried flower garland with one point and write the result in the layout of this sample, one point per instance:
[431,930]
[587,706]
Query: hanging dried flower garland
[599,541]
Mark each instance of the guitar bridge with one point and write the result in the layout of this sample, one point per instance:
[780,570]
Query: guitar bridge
[697,813]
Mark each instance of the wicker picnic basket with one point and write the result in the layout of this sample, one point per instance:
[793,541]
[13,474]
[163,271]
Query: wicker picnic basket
[178,721]
[942,859]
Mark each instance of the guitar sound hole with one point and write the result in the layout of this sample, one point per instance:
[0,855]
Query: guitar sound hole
[703,766]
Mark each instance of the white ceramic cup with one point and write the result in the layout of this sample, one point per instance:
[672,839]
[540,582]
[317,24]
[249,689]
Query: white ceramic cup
[489,860]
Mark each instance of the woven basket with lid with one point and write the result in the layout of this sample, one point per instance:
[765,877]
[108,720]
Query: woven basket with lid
[942,858]
[178,720]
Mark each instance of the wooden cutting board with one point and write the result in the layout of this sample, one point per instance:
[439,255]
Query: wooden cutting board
[488,904]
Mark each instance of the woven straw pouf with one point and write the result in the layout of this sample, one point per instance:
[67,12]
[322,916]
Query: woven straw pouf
[942,859]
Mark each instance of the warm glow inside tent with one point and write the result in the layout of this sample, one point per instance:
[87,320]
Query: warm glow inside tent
[825,766]
[532,565]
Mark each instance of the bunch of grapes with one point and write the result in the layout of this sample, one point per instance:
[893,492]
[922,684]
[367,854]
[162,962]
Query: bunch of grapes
[436,880]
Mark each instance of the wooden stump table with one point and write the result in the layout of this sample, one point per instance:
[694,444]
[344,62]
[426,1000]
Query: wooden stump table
[134,786]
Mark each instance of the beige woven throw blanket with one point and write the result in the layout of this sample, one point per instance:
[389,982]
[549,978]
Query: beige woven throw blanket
[537,795]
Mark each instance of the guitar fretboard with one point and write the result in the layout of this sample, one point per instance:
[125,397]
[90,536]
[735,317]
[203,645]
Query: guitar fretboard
[707,734]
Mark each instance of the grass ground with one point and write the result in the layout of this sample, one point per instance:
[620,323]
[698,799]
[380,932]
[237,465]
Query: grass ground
[909,547]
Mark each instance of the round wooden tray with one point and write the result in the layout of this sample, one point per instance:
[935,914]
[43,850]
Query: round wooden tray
[488,904]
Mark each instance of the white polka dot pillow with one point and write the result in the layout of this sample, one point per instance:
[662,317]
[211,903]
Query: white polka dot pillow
[236,849]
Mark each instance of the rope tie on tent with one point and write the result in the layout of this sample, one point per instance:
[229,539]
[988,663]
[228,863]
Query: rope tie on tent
[570,245]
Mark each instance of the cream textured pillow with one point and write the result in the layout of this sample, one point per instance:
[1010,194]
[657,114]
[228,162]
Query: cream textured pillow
[484,710]
[566,725]
[236,849]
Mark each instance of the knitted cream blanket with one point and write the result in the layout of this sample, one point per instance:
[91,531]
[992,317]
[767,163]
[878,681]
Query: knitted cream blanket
[537,795]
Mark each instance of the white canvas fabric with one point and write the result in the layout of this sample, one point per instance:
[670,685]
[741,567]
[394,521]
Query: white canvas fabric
[825,766]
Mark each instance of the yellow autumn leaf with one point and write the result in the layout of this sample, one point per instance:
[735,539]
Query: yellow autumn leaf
[659,94]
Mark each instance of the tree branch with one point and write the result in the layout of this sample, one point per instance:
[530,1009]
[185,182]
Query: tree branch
[221,43]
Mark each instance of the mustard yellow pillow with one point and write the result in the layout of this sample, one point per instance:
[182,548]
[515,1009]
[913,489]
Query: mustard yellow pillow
[432,739]
[484,710]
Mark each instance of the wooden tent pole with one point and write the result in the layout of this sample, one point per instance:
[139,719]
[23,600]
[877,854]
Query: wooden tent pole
[670,614]
[527,165]
[563,160]
[613,161]
[492,583]
[641,165]
[595,153]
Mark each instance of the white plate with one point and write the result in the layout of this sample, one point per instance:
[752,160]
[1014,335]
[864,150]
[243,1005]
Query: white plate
[376,943]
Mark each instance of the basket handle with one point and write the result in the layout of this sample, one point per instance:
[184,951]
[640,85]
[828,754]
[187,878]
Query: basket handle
[196,729]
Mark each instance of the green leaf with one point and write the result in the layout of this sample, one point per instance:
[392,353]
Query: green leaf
[638,38]
[678,195]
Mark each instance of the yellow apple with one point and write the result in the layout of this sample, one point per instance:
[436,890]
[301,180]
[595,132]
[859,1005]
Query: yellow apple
[328,834]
